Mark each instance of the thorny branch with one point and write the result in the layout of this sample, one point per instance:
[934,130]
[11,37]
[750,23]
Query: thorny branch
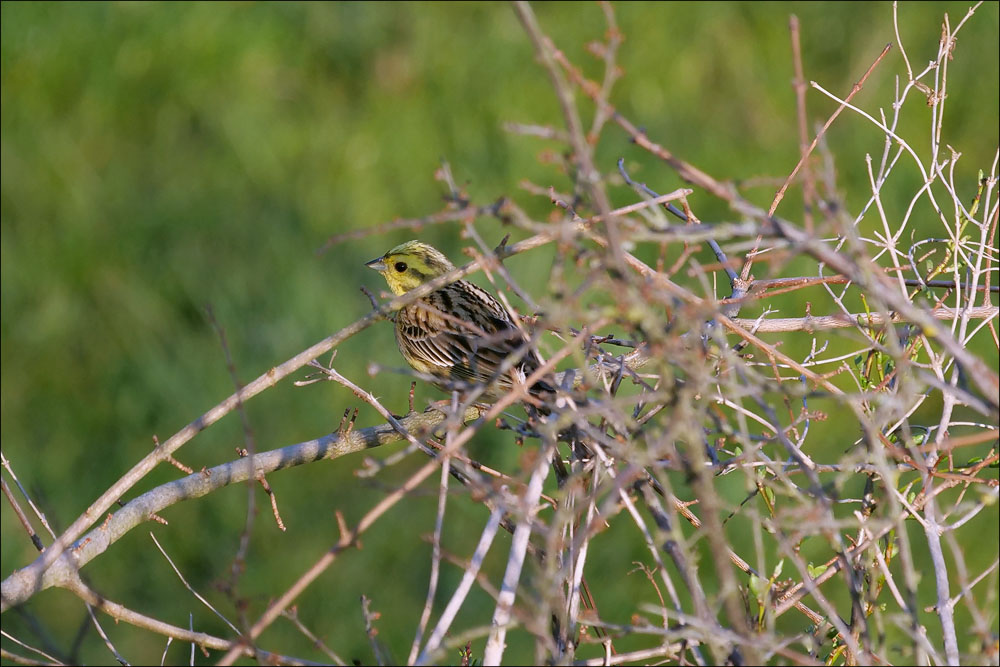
[699,396]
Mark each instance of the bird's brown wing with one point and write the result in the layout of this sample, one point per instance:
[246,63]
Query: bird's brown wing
[461,332]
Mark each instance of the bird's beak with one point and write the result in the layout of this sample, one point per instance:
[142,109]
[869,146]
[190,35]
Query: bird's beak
[378,264]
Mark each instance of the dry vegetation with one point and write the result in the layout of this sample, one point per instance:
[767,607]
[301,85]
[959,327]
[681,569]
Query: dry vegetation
[685,391]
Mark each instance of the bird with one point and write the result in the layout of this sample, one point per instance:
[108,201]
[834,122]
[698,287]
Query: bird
[459,335]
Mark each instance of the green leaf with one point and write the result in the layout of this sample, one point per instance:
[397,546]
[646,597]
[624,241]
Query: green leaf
[815,570]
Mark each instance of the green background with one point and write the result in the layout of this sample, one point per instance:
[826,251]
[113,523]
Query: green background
[158,158]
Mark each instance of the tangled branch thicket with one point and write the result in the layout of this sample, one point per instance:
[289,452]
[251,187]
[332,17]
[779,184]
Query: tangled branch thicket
[684,396]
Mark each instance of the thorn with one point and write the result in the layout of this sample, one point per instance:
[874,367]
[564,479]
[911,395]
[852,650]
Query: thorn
[502,246]
[371,297]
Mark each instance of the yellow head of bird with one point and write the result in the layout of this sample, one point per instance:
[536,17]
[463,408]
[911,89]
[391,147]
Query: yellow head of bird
[410,265]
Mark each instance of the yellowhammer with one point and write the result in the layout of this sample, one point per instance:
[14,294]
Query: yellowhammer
[460,335]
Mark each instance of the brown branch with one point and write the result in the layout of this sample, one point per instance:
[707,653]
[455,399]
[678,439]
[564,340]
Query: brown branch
[867,320]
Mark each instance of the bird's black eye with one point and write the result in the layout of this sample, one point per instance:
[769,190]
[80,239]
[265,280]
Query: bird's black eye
[401,266]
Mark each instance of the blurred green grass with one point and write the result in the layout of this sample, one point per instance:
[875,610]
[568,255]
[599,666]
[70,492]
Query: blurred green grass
[158,158]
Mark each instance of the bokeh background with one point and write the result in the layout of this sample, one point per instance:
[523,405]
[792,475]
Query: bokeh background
[161,158]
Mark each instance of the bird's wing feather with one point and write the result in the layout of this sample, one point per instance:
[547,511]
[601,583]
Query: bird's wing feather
[460,331]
